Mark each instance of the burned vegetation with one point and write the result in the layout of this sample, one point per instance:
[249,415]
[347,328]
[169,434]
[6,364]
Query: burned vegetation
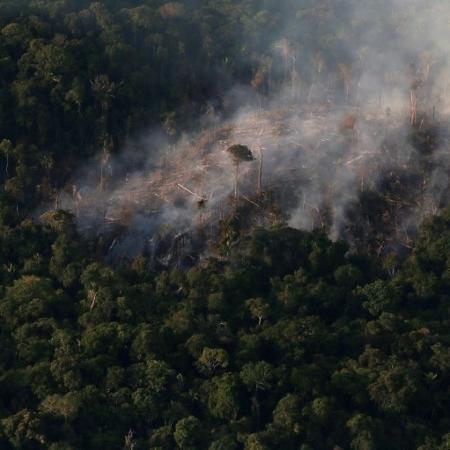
[364,177]
[224,225]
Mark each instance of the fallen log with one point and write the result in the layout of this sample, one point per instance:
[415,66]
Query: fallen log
[190,192]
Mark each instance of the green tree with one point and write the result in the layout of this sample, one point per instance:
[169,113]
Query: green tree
[287,413]
[223,399]
[188,433]
[239,154]
[212,360]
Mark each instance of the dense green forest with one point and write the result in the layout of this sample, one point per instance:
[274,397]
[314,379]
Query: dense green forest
[286,343]
[277,339]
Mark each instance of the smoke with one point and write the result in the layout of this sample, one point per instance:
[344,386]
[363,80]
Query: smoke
[345,116]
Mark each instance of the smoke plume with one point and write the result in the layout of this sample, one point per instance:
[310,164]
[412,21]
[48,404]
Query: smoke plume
[345,115]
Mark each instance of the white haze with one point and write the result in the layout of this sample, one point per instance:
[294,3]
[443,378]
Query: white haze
[310,163]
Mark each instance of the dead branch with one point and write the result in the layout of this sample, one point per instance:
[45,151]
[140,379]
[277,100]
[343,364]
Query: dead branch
[250,201]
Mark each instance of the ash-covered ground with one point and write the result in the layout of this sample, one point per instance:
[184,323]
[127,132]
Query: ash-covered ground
[348,132]
[367,175]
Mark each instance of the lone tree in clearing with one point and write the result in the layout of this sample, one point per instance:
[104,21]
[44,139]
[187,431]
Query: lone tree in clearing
[239,154]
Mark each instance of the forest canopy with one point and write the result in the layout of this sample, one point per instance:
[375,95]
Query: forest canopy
[270,337]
